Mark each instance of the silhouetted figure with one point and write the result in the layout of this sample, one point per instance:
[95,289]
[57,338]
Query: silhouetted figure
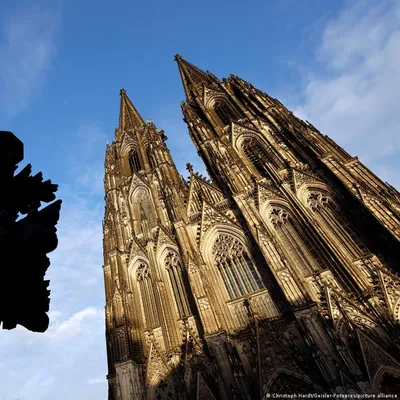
[24,297]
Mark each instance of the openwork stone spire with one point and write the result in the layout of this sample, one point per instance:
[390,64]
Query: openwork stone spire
[258,282]
[193,78]
[129,118]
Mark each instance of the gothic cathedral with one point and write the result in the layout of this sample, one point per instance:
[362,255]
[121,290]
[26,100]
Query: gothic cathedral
[277,275]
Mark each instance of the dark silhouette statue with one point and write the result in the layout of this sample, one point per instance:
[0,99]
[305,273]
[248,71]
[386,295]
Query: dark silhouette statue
[27,234]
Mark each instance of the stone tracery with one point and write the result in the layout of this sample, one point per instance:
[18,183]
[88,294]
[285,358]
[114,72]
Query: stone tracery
[178,282]
[149,303]
[237,270]
[297,248]
[282,223]
[330,217]
[260,154]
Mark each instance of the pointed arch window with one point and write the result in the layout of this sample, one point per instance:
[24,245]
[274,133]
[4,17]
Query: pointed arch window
[224,112]
[298,248]
[143,211]
[236,267]
[178,282]
[340,230]
[150,308]
[134,161]
[150,157]
[260,154]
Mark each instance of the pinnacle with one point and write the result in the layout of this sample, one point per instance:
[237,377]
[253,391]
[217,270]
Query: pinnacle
[178,57]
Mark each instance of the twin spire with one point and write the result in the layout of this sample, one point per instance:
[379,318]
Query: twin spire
[193,79]
[129,118]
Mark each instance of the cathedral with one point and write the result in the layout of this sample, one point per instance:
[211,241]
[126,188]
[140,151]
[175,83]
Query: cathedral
[275,276]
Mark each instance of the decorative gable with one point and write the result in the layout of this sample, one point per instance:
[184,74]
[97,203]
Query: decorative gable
[136,182]
[128,142]
[303,175]
[200,190]
[375,357]
[238,129]
[211,217]
[156,366]
[267,191]
[135,249]
[210,94]
[164,237]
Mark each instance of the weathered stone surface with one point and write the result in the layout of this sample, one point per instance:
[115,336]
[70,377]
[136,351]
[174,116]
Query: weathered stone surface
[277,276]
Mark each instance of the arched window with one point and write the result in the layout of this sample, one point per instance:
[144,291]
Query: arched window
[298,248]
[178,282]
[224,112]
[134,161]
[143,211]
[147,295]
[339,229]
[390,220]
[118,311]
[235,266]
[261,154]
[150,157]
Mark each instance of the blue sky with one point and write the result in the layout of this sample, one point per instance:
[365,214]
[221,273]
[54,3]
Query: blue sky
[335,63]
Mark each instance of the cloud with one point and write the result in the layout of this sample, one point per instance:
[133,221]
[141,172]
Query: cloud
[71,354]
[74,325]
[27,46]
[353,97]
[86,159]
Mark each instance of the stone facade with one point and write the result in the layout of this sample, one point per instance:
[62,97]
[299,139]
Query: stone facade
[278,275]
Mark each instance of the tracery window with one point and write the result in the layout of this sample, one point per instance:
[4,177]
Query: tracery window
[150,157]
[341,231]
[147,295]
[260,154]
[134,161]
[178,282]
[235,266]
[383,214]
[143,211]
[118,311]
[299,249]
[224,112]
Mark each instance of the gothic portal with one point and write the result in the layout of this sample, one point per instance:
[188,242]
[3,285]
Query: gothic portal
[278,275]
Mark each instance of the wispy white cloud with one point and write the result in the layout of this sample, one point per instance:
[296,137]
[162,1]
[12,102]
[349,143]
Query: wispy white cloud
[65,361]
[353,100]
[27,46]
[66,329]
[354,96]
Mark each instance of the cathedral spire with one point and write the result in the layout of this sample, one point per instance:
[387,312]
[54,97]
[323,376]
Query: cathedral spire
[128,116]
[193,78]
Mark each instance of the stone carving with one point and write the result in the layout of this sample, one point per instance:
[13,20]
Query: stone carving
[257,281]
[24,243]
